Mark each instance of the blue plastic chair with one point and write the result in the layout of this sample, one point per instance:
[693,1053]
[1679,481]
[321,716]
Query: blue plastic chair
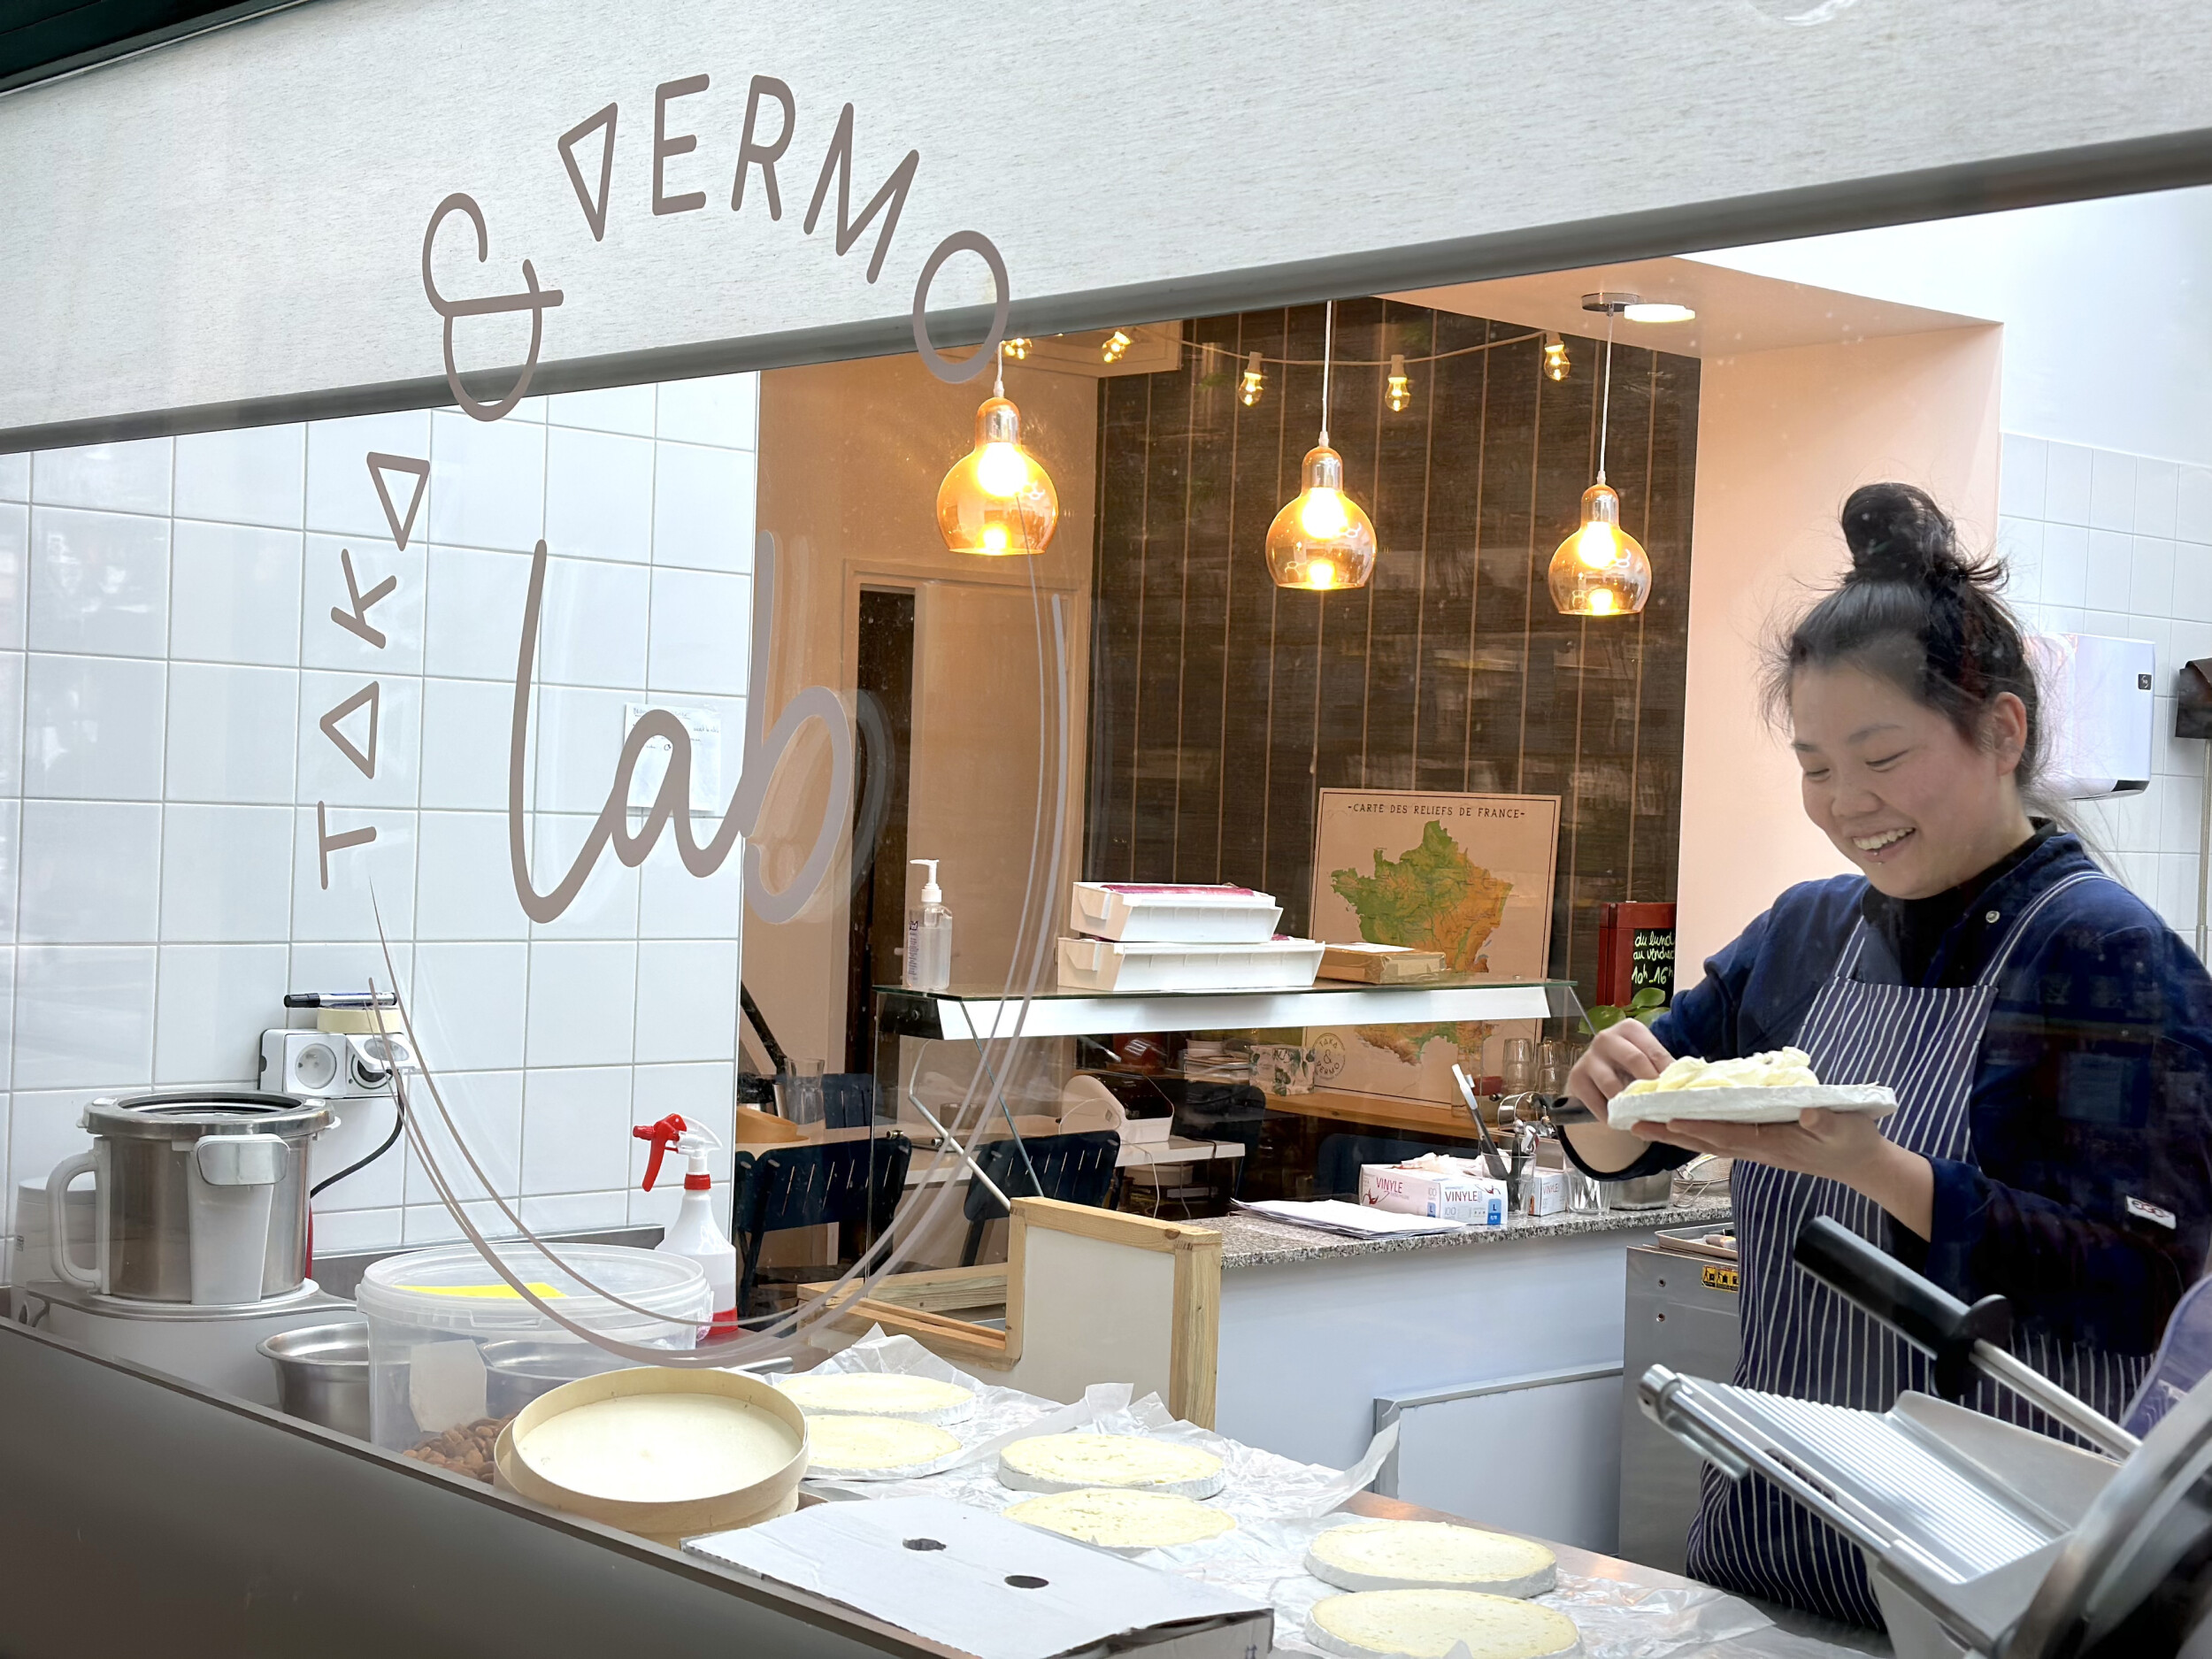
[813,1184]
[1075,1169]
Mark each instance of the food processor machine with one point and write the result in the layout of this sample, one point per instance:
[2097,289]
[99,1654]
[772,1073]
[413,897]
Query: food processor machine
[199,1236]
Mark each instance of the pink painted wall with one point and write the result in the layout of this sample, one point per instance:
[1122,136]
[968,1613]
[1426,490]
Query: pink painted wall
[1784,436]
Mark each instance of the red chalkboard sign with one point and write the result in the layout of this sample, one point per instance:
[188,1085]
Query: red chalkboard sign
[1635,949]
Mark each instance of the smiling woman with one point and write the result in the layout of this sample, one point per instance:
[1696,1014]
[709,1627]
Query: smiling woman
[2047,1038]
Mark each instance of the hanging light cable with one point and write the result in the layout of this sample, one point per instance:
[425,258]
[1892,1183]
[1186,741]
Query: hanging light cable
[997,499]
[1321,539]
[1601,570]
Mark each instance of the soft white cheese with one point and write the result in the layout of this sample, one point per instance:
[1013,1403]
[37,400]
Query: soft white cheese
[1430,1555]
[1426,1624]
[842,1445]
[1122,1519]
[1780,1068]
[879,1395]
[1066,1463]
[659,1447]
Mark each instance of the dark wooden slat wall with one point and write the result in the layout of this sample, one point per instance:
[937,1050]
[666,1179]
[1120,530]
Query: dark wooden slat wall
[1220,705]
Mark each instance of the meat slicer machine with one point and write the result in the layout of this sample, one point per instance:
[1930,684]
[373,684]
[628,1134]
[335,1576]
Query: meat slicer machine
[1982,1540]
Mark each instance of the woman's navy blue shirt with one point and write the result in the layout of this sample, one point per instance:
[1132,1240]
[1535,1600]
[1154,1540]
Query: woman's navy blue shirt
[2089,1202]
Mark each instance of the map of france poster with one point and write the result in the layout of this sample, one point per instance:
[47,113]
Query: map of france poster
[1467,875]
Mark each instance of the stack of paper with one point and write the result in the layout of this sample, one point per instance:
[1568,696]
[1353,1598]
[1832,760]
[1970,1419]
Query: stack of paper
[1355,1221]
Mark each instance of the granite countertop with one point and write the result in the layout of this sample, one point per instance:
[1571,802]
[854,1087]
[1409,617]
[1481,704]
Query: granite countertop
[1250,1240]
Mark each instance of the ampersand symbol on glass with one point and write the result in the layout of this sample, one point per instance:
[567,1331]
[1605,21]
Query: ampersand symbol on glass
[532,299]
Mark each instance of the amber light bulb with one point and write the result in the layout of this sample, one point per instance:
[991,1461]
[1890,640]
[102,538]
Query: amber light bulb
[997,500]
[1321,540]
[1601,570]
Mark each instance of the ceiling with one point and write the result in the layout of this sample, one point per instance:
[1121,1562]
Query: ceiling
[1737,311]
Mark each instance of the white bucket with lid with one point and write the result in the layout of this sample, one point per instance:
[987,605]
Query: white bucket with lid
[451,1344]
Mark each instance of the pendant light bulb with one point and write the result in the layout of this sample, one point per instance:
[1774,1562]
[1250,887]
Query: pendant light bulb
[1321,540]
[1601,570]
[997,500]
[1555,358]
[1399,392]
[1254,382]
[1116,344]
[1016,348]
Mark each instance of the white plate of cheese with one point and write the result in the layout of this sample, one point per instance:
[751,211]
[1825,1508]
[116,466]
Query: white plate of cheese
[1757,1089]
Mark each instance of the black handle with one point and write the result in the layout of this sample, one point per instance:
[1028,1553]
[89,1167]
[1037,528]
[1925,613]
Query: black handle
[1924,1314]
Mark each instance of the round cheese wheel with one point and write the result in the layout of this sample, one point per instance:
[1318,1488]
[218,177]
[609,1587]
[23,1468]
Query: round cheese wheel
[1425,1625]
[660,1448]
[1430,1556]
[1067,1463]
[1125,1521]
[840,1444]
[879,1395]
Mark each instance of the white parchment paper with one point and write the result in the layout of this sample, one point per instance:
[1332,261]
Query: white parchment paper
[1280,1505]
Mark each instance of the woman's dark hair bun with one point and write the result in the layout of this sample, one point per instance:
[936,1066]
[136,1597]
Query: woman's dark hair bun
[1897,533]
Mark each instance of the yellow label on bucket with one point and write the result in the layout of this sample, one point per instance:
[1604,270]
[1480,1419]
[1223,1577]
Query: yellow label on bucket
[480,1292]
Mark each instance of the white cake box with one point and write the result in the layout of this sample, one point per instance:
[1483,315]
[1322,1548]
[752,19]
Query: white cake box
[1135,912]
[1106,964]
[1448,1189]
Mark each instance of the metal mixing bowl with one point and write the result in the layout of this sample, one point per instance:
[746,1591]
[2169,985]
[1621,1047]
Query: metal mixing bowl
[322,1375]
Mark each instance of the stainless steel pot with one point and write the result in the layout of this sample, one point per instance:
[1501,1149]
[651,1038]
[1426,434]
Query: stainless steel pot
[322,1375]
[201,1197]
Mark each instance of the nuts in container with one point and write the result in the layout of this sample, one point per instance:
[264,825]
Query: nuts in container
[465,1450]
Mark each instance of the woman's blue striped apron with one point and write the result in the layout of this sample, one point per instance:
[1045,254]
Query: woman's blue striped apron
[1800,1338]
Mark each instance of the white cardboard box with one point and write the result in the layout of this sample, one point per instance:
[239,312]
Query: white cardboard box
[1543,1192]
[1163,913]
[982,1585]
[1450,1191]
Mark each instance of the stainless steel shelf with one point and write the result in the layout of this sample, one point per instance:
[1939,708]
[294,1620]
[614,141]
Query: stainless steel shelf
[966,1015]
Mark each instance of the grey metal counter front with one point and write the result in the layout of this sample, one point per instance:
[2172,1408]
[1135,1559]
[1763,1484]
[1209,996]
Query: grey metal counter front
[1681,1313]
[138,1516]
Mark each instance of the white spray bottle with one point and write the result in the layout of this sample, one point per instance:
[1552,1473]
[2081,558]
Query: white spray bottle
[694,1233]
[928,937]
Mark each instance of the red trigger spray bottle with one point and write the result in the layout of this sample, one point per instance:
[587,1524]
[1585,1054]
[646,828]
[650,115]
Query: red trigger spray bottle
[694,1233]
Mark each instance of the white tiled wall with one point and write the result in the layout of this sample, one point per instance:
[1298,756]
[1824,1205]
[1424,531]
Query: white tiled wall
[2101,542]
[166,655]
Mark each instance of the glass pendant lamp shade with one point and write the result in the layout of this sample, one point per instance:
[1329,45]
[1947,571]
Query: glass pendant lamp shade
[1601,570]
[997,500]
[1321,539]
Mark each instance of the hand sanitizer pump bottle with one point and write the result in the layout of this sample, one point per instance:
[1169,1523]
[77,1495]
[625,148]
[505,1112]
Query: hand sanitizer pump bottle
[929,937]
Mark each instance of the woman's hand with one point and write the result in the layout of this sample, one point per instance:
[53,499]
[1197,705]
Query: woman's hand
[1846,1146]
[1616,1057]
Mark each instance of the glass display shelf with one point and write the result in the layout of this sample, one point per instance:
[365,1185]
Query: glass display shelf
[973,1013]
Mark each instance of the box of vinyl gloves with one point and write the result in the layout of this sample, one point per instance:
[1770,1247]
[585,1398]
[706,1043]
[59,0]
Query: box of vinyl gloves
[1449,1189]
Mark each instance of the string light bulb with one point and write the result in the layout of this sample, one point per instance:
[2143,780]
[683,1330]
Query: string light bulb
[1254,383]
[1399,393]
[997,500]
[1555,358]
[1116,344]
[1321,540]
[1016,348]
[1601,570]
